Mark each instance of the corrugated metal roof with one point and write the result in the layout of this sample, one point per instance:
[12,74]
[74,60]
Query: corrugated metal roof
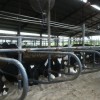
[73,12]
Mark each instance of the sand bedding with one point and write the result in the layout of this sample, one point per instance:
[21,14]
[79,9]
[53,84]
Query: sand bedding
[86,87]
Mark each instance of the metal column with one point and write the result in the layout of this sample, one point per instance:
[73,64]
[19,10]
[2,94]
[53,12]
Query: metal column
[49,40]
[23,74]
[20,47]
[57,41]
[41,40]
[48,23]
[19,58]
[69,42]
[83,42]
[83,34]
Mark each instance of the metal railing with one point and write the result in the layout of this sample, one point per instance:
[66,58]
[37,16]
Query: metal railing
[23,73]
[32,20]
[60,53]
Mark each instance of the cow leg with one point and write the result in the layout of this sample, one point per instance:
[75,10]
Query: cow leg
[1,84]
[3,88]
[32,72]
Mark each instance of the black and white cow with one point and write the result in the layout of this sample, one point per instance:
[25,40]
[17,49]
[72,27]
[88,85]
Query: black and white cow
[55,67]
[35,67]
[3,88]
[69,61]
[38,66]
[7,70]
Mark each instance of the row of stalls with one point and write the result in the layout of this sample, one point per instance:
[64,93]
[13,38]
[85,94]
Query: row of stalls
[75,59]
[80,59]
[43,42]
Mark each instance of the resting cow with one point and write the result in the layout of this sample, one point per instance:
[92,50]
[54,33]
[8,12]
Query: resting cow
[34,65]
[3,88]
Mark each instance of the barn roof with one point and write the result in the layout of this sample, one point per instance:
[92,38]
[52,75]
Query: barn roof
[66,16]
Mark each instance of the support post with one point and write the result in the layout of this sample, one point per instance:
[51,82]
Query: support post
[57,41]
[19,42]
[48,23]
[83,34]
[83,42]
[20,47]
[49,40]
[41,40]
[69,42]
[22,72]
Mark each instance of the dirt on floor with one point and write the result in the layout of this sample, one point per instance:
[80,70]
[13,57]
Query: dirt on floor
[86,87]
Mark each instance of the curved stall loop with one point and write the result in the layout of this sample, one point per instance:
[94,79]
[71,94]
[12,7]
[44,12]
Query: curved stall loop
[23,73]
[60,53]
[90,51]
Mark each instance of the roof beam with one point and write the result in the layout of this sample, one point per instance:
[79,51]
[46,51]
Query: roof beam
[87,18]
[23,26]
[5,4]
[72,13]
[84,21]
[97,22]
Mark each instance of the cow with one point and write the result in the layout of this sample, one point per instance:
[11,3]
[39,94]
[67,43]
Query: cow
[38,65]
[69,62]
[88,57]
[7,70]
[35,65]
[55,67]
[3,88]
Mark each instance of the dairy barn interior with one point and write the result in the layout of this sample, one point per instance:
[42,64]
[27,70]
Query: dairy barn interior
[49,49]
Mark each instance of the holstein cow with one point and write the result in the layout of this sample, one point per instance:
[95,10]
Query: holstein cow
[3,88]
[34,65]
[69,62]
[38,65]
[7,70]
[55,67]
[89,57]
[85,57]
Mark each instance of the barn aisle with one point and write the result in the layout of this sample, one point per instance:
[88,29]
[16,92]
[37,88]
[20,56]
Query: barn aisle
[86,87]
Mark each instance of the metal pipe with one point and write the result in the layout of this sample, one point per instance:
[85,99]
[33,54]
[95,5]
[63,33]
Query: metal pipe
[19,42]
[48,25]
[49,39]
[65,26]
[83,40]
[92,51]
[52,49]
[40,40]
[20,47]
[69,45]
[61,53]
[33,18]
[83,33]
[39,23]
[57,41]
[23,73]
[19,15]
[23,37]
